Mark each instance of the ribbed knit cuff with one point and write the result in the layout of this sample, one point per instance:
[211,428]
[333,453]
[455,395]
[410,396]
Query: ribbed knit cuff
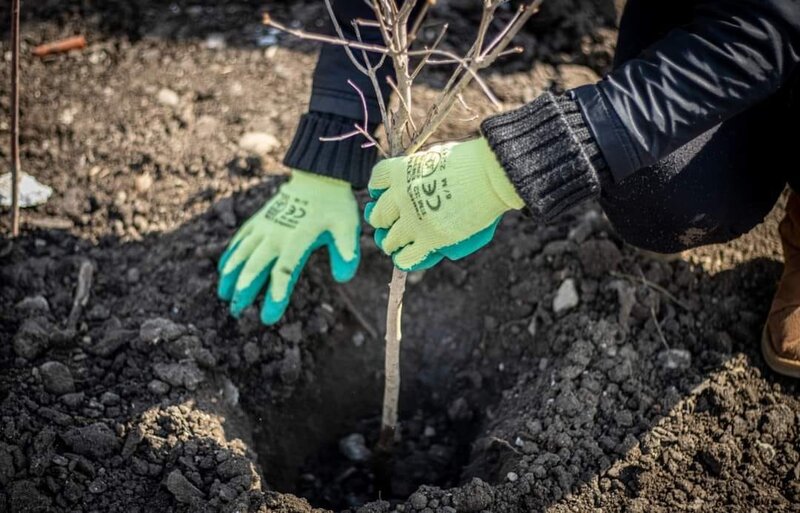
[548,154]
[345,160]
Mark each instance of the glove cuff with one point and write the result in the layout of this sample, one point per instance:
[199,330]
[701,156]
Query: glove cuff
[345,160]
[548,154]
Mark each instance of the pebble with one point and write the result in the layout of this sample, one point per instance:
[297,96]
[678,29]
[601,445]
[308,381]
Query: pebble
[259,143]
[96,440]
[168,97]
[57,378]
[31,339]
[418,501]
[185,374]
[674,359]
[33,305]
[158,387]
[159,329]
[354,447]
[143,182]
[180,487]
[566,297]
[512,476]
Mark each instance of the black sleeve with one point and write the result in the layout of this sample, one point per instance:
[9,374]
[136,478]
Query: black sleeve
[732,55]
[335,106]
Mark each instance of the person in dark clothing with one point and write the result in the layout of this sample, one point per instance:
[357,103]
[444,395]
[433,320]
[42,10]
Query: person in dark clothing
[686,142]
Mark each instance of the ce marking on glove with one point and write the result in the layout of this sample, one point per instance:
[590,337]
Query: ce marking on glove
[427,192]
[286,210]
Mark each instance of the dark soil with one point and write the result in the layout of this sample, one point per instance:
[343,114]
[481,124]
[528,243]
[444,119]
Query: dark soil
[644,396]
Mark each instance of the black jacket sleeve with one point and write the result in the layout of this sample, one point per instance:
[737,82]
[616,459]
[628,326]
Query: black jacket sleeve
[732,55]
[335,106]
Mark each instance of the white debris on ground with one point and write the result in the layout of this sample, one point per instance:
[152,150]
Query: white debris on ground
[31,192]
[566,297]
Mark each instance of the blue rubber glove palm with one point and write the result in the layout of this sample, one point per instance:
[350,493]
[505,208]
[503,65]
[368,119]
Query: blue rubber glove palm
[272,247]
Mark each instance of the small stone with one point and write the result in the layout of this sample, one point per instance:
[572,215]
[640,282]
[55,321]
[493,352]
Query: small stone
[566,297]
[418,501]
[180,487]
[158,387]
[168,97]
[216,41]
[34,305]
[73,400]
[134,275]
[292,332]
[143,182]
[31,339]
[109,399]
[95,440]
[259,143]
[512,476]
[185,374]
[674,359]
[354,447]
[57,378]
[159,329]
[97,486]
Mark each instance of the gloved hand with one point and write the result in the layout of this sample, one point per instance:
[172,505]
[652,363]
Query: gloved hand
[271,248]
[442,202]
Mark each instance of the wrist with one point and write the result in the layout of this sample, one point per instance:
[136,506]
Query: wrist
[501,184]
[311,179]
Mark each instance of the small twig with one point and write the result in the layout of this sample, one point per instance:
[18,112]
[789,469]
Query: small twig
[658,327]
[359,130]
[655,286]
[433,46]
[351,307]
[347,43]
[15,164]
[412,36]
[85,273]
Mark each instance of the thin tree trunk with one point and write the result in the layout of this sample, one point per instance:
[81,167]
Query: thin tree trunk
[391,390]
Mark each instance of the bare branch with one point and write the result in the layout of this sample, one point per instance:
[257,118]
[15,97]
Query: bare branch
[423,12]
[311,36]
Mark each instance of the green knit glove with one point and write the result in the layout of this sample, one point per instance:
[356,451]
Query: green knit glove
[443,202]
[272,247]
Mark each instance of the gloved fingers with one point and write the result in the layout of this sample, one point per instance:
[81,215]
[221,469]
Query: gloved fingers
[383,212]
[253,276]
[282,280]
[413,256]
[382,176]
[379,236]
[235,241]
[472,244]
[399,235]
[231,265]
[344,251]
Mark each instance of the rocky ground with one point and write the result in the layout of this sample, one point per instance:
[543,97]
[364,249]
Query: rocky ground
[556,370]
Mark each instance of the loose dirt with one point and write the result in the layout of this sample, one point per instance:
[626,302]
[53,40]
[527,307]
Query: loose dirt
[646,393]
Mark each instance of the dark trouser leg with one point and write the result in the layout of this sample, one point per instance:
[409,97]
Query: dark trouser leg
[713,189]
